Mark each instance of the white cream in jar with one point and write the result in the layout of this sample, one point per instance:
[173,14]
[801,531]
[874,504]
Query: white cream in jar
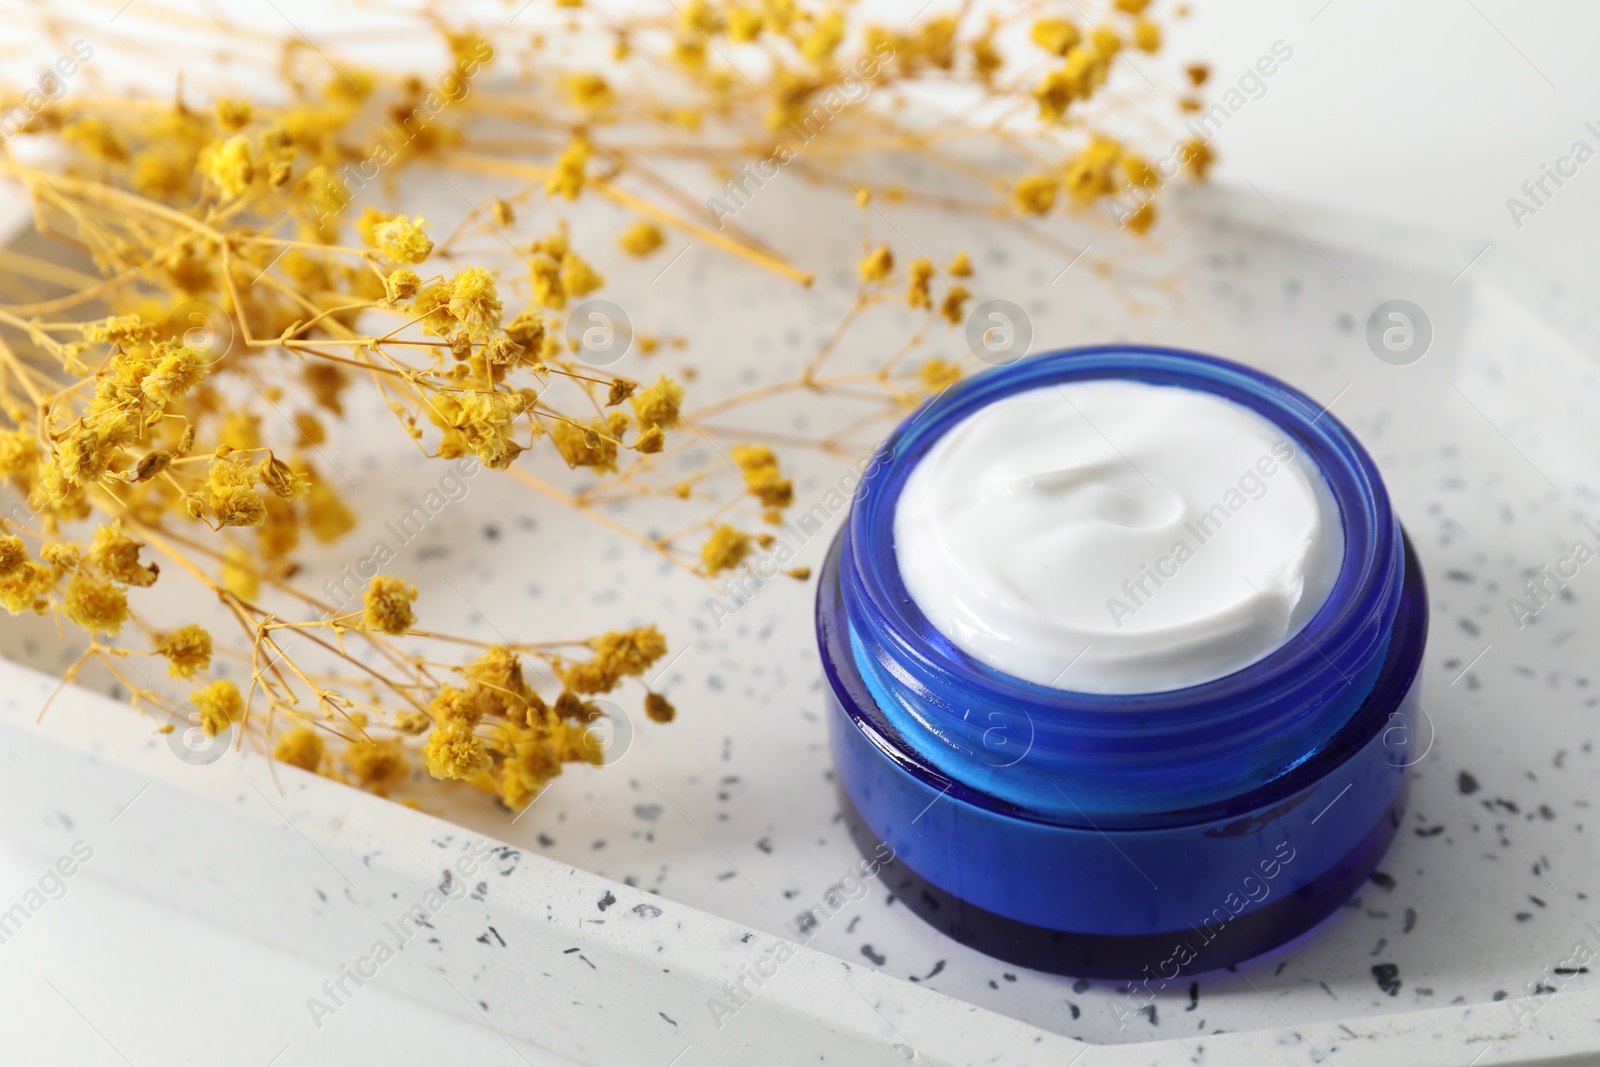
[1112,536]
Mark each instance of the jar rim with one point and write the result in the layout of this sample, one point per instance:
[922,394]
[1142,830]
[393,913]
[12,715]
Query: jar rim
[1135,759]
[1366,580]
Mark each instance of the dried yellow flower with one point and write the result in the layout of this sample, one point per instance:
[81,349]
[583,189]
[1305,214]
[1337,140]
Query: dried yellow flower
[826,34]
[1141,175]
[62,556]
[1141,218]
[1085,70]
[377,765]
[577,277]
[1056,36]
[960,265]
[19,452]
[310,430]
[566,179]
[368,221]
[876,265]
[281,479]
[96,604]
[617,655]
[301,747]
[744,25]
[432,308]
[454,751]
[1092,173]
[1146,36]
[120,330]
[402,284]
[25,586]
[233,114]
[452,703]
[545,273]
[116,556]
[229,165]
[650,441]
[952,305]
[938,374]
[658,405]
[659,708]
[919,274]
[402,241]
[641,238]
[234,500]
[13,555]
[328,517]
[412,723]
[526,330]
[178,369]
[386,605]
[187,651]
[1198,157]
[762,478]
[589,91]
[1035,194]
[725,549]
[219,706]
[585,446]
[475,302]
[533,762]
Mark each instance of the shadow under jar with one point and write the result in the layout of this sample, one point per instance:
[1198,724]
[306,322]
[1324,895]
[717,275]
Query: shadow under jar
[1125,835]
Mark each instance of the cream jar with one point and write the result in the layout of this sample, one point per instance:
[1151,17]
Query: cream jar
[1079,769]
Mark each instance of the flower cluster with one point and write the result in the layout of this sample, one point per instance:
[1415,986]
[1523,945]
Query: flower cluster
[130,436]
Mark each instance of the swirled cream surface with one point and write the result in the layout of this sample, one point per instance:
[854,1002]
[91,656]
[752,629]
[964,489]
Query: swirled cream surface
[1114,536]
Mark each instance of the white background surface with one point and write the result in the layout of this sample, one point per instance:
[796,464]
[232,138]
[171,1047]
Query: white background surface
[1428,113]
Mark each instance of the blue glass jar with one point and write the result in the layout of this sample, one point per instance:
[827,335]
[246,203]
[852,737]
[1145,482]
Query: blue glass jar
[1137,836]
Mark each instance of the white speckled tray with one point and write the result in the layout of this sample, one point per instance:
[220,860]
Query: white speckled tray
[1487,444]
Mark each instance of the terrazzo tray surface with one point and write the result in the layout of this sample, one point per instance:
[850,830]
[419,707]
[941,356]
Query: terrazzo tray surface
[603,921]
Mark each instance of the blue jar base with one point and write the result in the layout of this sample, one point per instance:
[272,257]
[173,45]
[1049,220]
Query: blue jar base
[1128,956]
[1240,882]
